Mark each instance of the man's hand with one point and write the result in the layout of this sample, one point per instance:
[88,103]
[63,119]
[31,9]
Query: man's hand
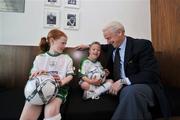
[115,88]
[82,47]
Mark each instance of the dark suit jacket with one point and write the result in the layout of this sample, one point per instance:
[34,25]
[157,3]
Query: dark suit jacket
[141,67]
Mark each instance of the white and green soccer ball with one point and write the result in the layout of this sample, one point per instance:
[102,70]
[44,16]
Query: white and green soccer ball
[41,89]
[97,73]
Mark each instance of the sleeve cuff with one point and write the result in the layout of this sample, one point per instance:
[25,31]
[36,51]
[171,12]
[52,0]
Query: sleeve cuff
[128,81]
[125,81]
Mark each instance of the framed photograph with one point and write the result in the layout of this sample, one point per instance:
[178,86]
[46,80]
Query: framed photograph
[12,5]
[52,2]
[71,20]
[51,18]
[72,3]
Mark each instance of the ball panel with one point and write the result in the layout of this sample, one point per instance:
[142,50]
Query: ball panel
[98,74]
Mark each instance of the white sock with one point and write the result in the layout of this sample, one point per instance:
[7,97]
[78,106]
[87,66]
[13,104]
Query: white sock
[92,88]
[103,88]
[56,117]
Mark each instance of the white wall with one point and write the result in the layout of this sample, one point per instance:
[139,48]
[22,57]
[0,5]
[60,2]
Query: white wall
[27,28]
[0,27]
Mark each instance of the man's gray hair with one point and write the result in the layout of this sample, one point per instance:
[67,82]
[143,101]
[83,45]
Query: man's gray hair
[114,26]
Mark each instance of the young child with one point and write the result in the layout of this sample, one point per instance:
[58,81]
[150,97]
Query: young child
[93,76]
[60,65]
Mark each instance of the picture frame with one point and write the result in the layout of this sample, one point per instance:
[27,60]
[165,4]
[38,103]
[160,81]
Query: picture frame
[72,3]
[71,20]
[51,18]
[17,6]
[53,3]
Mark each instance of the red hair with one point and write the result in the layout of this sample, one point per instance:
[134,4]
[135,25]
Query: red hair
[45,42]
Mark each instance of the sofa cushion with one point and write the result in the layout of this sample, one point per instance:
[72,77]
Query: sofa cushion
[79,109]
[174,98]
[11,102]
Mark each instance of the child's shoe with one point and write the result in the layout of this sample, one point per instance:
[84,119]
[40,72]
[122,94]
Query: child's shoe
[89,94]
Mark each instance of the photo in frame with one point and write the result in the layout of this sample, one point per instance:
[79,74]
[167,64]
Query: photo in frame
[51,18]
[72,3]
[53,2]
[12,6]
[71,20]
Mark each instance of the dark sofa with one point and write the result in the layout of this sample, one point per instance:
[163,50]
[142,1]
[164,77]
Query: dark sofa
[15,64]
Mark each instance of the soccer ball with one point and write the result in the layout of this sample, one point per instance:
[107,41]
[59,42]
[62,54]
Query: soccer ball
[98,74]
[41,89]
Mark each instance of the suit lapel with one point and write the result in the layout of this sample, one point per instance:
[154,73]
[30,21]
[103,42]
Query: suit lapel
[128,51]
[109,55]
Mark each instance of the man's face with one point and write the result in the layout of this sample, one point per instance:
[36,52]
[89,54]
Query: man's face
[114,38]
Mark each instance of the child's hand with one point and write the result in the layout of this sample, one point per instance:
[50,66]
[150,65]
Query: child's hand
[96,81]
[106,72]
[57,78]
[40,72]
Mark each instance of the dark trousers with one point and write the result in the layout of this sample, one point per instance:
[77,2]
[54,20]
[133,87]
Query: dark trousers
[134,101]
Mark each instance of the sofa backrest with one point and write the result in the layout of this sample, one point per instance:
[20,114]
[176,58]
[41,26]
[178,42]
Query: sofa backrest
[77,56]
[169,68]
[16,62]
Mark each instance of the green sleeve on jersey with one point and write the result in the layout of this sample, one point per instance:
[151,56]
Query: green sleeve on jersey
[80,74]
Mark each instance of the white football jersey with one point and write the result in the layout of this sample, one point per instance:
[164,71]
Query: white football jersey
[61,63]
[89,68]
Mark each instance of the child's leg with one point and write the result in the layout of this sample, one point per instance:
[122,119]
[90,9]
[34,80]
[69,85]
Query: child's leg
[30,112]
[88,87]
[52,110]
[103,88]
[88,90]
[85,85]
